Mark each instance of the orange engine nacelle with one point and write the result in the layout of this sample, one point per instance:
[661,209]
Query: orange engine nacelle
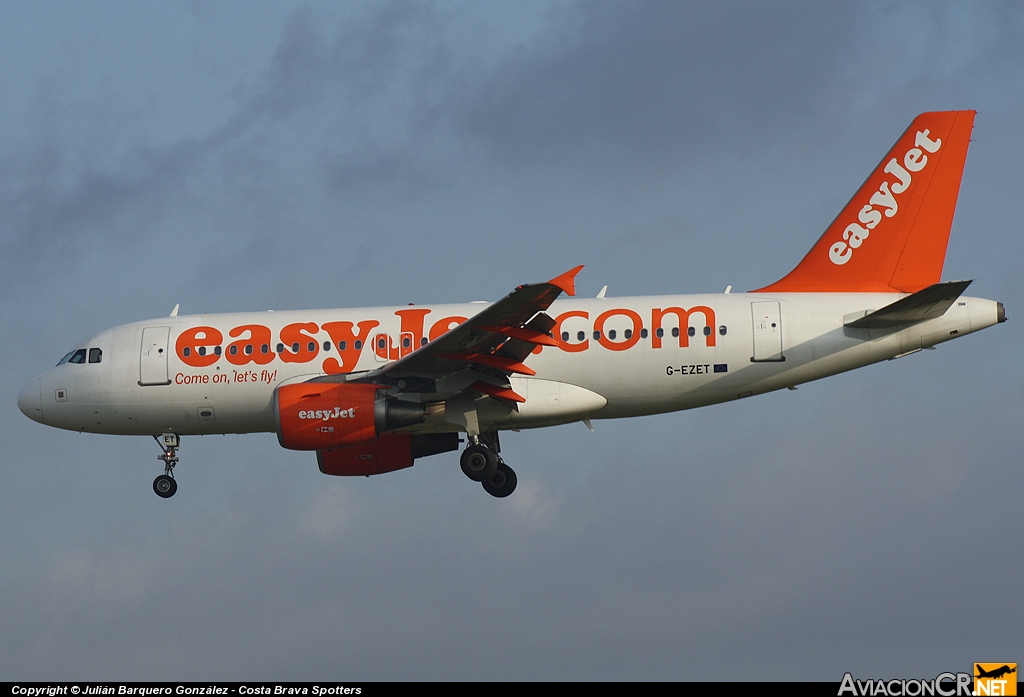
[387,453]
[318,415]
[322,415]
[348,425]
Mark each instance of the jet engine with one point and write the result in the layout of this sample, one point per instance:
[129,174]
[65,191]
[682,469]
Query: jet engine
[387,453]
[325,415]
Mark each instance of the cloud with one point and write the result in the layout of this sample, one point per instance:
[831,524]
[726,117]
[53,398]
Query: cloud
[659,82]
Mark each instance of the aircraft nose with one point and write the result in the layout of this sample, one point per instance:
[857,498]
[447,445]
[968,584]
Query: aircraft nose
[30,402]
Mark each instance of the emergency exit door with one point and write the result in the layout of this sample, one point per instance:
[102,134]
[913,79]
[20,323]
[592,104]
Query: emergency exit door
[385,350]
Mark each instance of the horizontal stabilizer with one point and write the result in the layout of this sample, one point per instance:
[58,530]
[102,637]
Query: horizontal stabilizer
[929,303]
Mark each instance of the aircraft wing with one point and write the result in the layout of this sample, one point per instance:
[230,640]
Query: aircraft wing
[495,342]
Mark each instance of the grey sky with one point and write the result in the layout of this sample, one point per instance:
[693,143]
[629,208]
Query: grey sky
[231,157]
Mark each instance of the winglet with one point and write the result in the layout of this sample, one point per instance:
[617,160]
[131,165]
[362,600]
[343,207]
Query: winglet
[567,281]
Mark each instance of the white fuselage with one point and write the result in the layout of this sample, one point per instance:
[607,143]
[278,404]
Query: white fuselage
[729,346]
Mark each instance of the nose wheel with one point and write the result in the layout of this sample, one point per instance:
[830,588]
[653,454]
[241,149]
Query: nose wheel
[164,485]
[481,463]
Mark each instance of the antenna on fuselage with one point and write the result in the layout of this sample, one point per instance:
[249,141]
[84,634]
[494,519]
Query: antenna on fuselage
[603,291]
[174,312]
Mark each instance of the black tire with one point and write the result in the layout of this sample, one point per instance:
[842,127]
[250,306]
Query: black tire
[502,482]
[165,486]
[478,462]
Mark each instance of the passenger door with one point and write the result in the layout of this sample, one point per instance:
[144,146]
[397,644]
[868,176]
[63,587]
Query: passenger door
[153,356]
[767,319]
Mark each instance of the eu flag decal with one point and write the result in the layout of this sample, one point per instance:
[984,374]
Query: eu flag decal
[721,367]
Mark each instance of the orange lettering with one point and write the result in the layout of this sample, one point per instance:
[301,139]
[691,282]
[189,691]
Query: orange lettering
[342,336]
[195,346]
[556,331]
[296,334]
[443,326]
[250,350]
[684,324]
[618,345]
[412,323]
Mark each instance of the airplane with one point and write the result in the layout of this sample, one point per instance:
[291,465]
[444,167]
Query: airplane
[995,673]
[372,390]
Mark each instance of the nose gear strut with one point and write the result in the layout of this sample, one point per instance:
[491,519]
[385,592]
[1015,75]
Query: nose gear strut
[164,485]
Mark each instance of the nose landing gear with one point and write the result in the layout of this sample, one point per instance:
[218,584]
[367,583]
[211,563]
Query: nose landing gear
[481,463]
[164,485]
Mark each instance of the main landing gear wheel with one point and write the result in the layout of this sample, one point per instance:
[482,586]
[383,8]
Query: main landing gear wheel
[502,482]
[164,486]
[478,462]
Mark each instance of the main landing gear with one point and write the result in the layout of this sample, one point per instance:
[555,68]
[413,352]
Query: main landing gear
[481,463]
[164,485]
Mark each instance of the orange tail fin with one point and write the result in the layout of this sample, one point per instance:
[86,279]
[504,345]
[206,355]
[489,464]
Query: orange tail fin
[892,235]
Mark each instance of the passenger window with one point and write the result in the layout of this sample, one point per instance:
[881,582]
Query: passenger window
[95,355]
[580,336]
[691,331]
[707,331]
[265,348]
[659,332]
[77,357]
[280,348]
[358,345]
[248,349]
[611,334]
[423,341]
[327,346]
[295,347]
[628,333]
[722,330]
[565,336]
[643,333]
[406,342]
[217,350]
[597,336]
[675,331]
[342,345]
[233,349]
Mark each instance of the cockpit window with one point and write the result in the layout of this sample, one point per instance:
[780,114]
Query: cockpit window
[95,355]
[66,358]
[77,357]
